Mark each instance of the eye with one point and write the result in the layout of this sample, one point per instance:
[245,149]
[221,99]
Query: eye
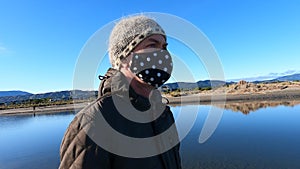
[151,45]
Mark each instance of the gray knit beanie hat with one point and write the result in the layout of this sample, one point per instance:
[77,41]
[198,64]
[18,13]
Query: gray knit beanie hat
[127,34]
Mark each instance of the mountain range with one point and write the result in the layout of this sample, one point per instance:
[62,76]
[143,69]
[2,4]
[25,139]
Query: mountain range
[216,83]
[293,77]
[199,84]
[54,96]
[13,93]
[19,96]
[289,77]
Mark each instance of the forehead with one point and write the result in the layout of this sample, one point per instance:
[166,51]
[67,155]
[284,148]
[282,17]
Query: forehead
[158,38]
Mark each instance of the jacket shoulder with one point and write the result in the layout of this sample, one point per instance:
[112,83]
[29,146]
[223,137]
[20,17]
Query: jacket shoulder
[77,149]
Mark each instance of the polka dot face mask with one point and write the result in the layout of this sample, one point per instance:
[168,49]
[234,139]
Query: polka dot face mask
[153,67]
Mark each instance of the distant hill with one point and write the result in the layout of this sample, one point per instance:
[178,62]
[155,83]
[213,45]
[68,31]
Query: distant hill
[13,93]
[61,95]
[190,85]
[292,77]
[289,77]
[272,77]
[216,83]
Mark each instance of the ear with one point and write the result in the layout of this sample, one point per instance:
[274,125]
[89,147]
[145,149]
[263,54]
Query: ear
[124,64]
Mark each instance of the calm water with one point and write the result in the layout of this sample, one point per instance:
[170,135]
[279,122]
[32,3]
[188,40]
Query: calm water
[248,136]
[28,142]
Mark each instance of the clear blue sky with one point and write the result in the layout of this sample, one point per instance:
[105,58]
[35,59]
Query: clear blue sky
[41,40]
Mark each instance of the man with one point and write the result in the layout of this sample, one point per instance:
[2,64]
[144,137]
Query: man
[130,103]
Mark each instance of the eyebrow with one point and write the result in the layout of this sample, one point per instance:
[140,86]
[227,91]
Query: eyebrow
[156,41]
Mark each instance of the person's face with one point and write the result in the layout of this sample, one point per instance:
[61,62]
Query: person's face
[156,74]
[151,62]
[153,41]
[150,43]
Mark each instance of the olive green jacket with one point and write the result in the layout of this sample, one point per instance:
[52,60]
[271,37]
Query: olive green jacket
[81,148]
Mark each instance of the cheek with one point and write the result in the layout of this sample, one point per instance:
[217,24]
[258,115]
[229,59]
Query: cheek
[129,60]
[130,63]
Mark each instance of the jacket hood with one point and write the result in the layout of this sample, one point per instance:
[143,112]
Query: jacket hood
[112,77]
[115,83]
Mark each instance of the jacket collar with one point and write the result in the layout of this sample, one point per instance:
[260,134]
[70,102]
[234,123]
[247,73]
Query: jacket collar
[114,82]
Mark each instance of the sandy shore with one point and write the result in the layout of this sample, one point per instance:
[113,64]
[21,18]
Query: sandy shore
[201,98]
[289,94]
[241,91]
[44,110]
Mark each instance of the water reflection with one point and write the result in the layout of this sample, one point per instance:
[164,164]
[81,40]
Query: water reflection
[252,106]
[268,139]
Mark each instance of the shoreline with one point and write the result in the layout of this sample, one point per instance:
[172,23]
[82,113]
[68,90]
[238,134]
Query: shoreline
[203,99]
[284,95]
[43,110]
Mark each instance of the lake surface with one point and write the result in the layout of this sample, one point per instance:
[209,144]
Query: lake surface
[249,136]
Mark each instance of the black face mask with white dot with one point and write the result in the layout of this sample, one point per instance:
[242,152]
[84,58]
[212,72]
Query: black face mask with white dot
[153,67]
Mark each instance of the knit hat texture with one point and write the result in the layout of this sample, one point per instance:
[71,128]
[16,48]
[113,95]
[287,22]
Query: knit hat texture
[128,33]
